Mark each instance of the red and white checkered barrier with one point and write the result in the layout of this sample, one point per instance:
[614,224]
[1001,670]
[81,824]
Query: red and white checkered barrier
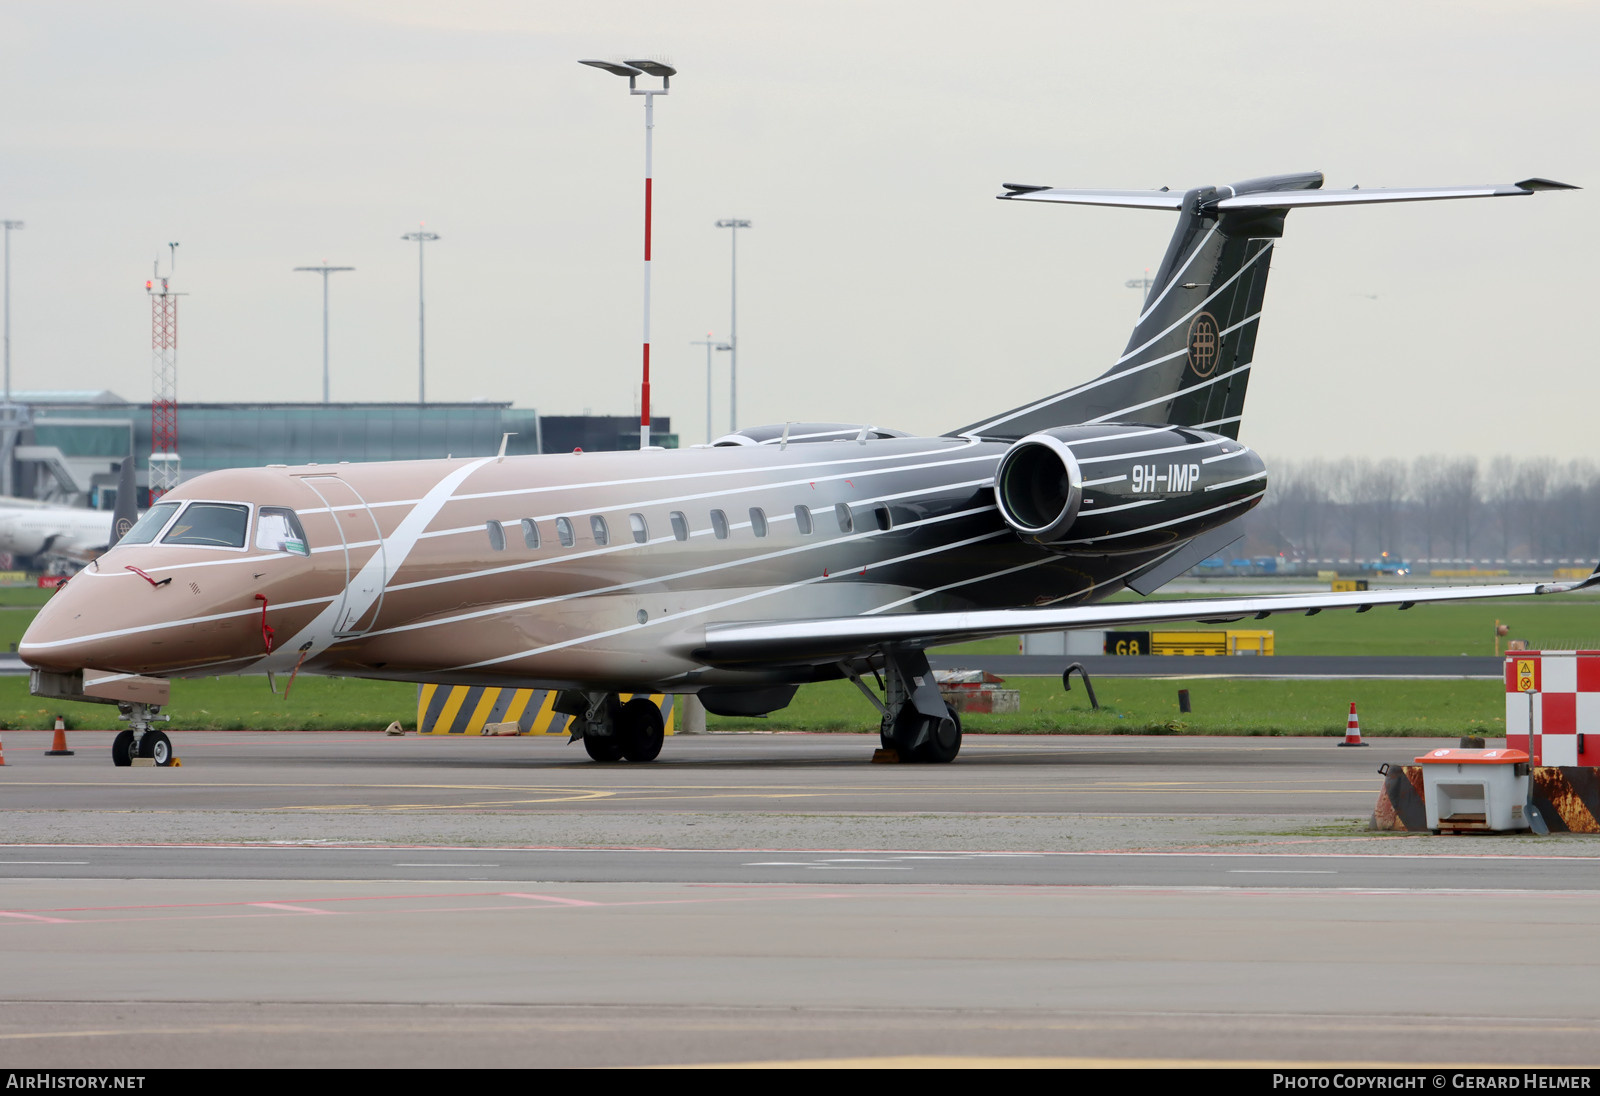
[1553,706]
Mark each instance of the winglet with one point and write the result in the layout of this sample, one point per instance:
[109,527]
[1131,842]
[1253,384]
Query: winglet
[1568,587]
[1544,184]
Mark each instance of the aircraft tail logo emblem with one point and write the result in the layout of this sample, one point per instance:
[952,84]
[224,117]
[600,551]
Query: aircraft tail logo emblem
[1203,344]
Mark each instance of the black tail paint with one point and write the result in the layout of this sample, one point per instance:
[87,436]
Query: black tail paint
[1188,362]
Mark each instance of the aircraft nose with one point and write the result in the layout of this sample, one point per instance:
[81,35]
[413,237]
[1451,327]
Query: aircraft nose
[62,636]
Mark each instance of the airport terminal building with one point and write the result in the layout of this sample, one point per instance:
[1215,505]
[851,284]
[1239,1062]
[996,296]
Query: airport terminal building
[70,442]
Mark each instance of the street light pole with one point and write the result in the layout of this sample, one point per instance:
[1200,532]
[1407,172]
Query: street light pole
[710,344]
[10,418]
[324,270]
[422,342]
[733,324]
[664,72]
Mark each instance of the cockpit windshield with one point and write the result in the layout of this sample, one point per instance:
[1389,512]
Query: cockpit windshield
[278,530]
[155,519]
[210,525]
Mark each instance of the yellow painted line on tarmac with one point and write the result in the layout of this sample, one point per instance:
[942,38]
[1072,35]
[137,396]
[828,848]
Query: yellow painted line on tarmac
[257,784]
[651,791]
[932,1061]
[554,795]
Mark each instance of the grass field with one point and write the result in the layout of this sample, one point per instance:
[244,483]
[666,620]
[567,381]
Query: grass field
[1128,706]
[1221,706]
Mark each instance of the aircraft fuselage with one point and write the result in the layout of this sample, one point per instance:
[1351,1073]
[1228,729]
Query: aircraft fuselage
[602,570]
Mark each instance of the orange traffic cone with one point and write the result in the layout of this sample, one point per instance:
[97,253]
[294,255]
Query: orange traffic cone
[59,747]
[2,753]
[1352,729]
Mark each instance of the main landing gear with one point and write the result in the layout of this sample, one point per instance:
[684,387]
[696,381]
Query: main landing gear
[917,724]
[612,730]
[140,739]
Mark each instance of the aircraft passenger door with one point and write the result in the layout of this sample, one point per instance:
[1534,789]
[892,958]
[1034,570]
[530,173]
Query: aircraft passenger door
[363,546]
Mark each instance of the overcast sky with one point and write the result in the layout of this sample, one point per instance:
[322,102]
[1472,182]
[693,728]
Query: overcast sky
[881,281]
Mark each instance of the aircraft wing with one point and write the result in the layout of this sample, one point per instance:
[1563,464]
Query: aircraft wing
[831,638]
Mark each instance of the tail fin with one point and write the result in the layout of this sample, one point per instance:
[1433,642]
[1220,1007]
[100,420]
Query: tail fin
[1188,361]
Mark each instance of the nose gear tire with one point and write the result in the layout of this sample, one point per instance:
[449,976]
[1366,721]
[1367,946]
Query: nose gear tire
[157,747]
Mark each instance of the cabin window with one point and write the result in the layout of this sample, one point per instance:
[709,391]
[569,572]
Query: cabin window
[597,526]
[278,530]
[884,520]
[564,532]
[802,520]
[758,521]
[497,535]
[210,525]
[149,527]
[719,524]
[680,525]
[847,523]
[530,533]
[641,531]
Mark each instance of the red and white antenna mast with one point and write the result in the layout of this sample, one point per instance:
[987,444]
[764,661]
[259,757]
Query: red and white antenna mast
[164,463]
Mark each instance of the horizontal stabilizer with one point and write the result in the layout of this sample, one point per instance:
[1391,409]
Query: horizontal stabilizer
[1134,199]
[1357,196]
[1227,200]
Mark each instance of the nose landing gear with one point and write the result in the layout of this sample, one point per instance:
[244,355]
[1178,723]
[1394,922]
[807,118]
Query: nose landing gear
[140,739]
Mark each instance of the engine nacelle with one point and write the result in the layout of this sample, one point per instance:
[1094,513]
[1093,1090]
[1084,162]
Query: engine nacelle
[1111,488]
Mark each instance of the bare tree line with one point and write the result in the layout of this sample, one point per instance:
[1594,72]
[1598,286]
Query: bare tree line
[1434,509]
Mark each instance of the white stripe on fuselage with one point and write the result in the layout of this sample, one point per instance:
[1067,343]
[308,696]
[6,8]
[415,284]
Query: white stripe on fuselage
[373,577]
[946,445]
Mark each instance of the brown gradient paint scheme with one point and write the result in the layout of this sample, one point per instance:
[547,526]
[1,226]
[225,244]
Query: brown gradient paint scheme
[455,610]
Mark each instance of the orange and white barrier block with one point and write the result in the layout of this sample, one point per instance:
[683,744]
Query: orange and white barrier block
[1553,706]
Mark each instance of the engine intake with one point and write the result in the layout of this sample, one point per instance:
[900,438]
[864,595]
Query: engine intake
[1119,488]
[1039,487]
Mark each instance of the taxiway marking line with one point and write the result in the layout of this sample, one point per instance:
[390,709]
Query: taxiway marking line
[1017,797]
[938,1061]
[35,917]
[1212,852]
[444,864]
[779,893]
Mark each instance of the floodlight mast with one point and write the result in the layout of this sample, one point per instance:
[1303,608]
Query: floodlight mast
[664,72]
[733,323]
[710,344]
[324,270]
[8,417]
[422,238]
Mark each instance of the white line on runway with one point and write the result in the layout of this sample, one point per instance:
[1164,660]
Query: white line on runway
[1279,871]
[43,861]
[445,864]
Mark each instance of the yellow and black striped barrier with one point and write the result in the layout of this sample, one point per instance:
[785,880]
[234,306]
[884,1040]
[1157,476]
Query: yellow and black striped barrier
[467,709]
